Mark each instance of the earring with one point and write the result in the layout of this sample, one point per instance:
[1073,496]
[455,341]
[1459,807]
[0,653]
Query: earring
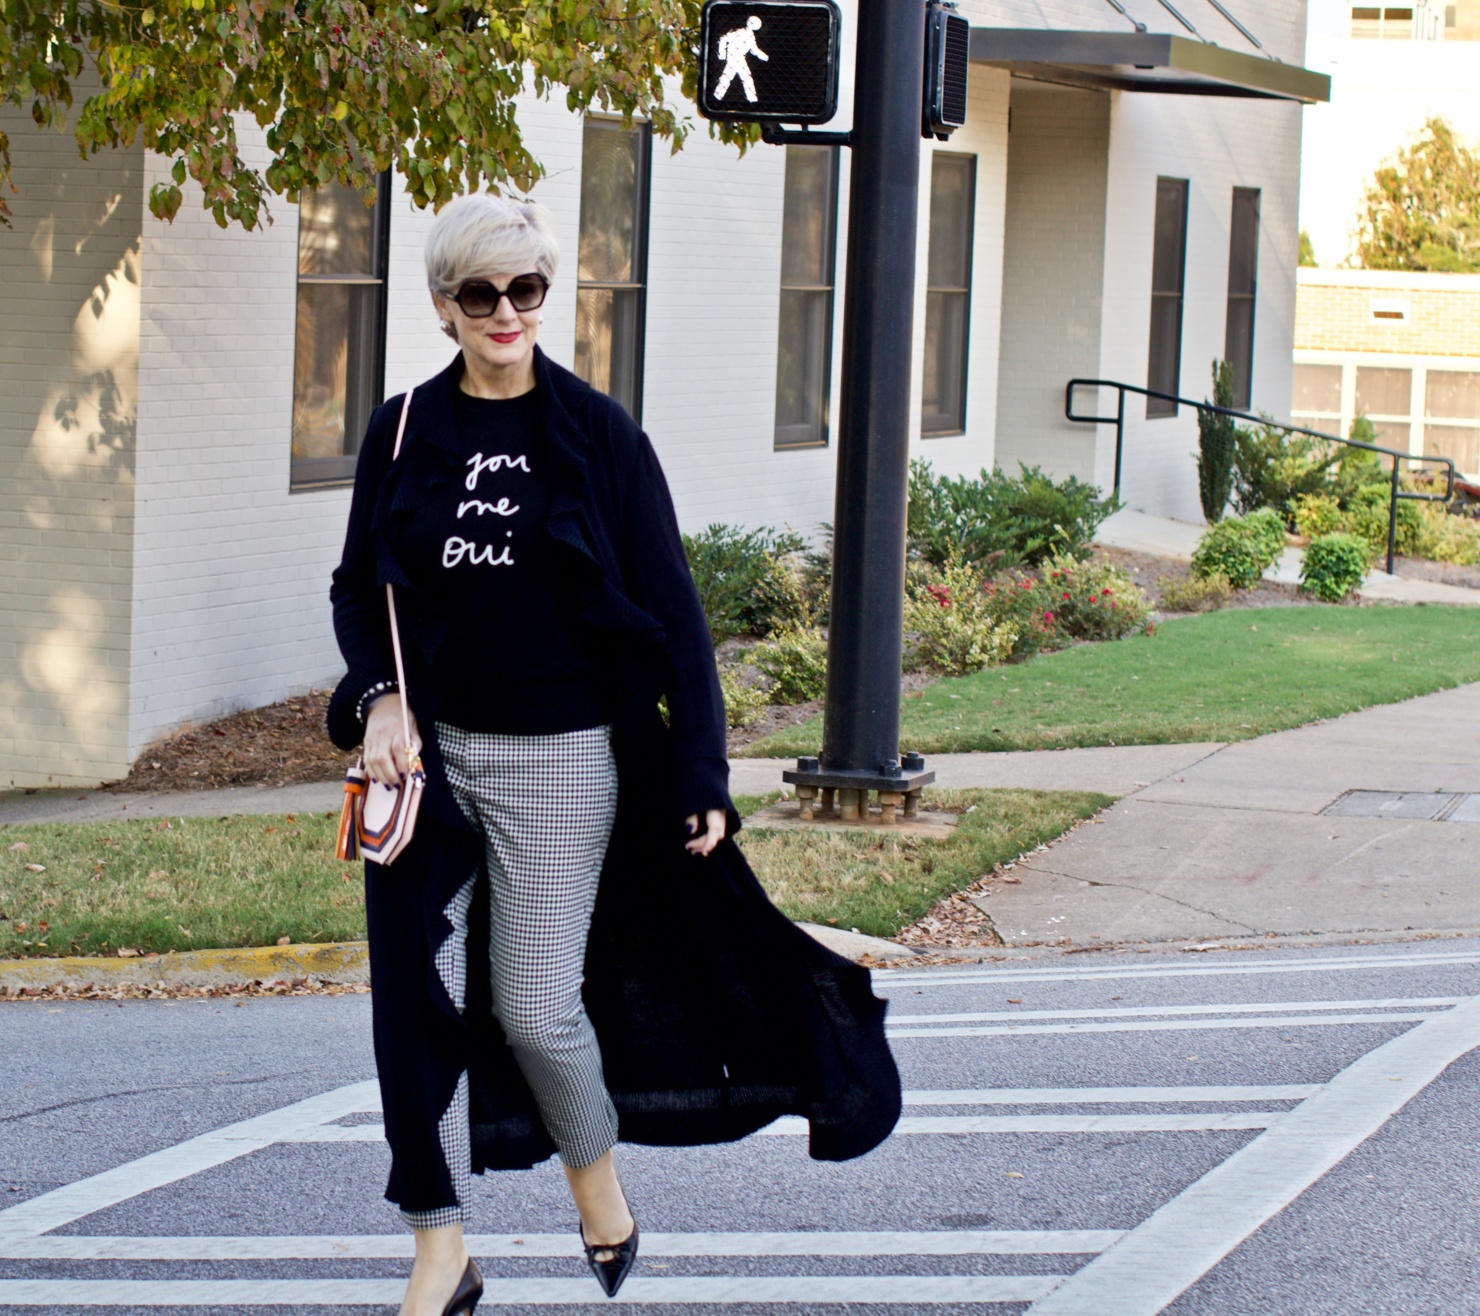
[446,326]
[542,317]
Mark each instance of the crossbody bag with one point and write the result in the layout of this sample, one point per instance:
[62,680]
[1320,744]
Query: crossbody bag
[377,818]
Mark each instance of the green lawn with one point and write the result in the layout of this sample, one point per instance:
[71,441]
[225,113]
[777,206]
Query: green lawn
[190,884]
[220,883]
[1220,676]
[878,882]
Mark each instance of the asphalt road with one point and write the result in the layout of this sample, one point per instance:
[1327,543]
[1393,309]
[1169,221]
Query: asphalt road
[1297,1137]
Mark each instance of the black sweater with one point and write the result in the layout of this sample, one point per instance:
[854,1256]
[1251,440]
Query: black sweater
[612,528]
[517,658]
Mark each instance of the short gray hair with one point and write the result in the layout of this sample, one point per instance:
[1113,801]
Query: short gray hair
[478,235]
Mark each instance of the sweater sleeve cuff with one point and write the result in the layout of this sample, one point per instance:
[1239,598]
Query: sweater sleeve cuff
[704,784]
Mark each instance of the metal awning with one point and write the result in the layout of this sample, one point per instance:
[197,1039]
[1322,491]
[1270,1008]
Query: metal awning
[1143,61]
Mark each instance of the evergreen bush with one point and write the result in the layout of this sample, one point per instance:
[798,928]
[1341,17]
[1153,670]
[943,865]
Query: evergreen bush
[1216,441]
[796,661]
[749,581]
[1001,520]
[1239,549]
[1335,565]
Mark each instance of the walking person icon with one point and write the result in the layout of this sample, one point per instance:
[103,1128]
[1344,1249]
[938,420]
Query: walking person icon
[736,48]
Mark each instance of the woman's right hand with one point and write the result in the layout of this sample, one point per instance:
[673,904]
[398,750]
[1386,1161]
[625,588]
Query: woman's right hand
[386,753]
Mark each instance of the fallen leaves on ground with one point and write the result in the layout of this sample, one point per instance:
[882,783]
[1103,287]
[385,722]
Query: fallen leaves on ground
[143,991]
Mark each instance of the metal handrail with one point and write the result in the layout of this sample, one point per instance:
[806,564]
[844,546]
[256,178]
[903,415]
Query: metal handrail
[1118,420]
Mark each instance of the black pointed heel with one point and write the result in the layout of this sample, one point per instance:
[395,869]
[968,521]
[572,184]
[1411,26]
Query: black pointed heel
[611,1272]
[464,1302]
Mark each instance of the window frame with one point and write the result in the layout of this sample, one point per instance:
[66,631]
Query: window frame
[809,434]
[948,424]
[1157,408]
[642,229]
[306,474]
[1241,356]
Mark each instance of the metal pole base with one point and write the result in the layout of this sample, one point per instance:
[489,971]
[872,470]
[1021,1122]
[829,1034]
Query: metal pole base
[897,785]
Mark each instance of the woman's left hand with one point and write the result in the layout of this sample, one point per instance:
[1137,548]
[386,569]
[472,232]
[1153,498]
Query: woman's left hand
[714,833]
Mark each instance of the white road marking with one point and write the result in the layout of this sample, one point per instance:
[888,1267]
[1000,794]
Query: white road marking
[1090,1096]
[1142,1011]
[796,1126]
[946,978]
[207,1295]
[1173,1248]
[63,1205]
[1160,1025]
[930,1243]
[792,1125]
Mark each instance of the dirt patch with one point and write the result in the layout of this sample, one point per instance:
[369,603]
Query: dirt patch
[1146,569]
[280,745]
[1445,573]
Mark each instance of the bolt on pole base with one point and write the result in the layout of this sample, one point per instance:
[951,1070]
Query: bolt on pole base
[844,794]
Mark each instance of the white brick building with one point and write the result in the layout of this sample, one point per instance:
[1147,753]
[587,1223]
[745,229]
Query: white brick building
[164,566]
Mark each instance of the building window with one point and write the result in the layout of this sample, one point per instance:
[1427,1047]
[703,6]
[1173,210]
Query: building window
[339,354]
[1385,396]
[1243,275]
[948,293]
[1168,268]
[611,278]
[808,251]
[1382,24]
[1316,397]
[1452,417]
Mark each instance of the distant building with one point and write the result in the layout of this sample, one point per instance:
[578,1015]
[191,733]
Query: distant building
[1402,349]
[1391,69]
[180,406]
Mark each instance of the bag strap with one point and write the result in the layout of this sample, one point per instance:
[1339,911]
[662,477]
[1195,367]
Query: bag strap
[390,599]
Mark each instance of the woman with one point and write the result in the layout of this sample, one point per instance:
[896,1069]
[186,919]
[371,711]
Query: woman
[573,839]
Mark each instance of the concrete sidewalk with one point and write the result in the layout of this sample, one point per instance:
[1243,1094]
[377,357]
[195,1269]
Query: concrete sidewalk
[1245,841]
[1139,532]
[1206,842]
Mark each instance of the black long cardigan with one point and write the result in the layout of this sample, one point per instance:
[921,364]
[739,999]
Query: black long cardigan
[715,1014]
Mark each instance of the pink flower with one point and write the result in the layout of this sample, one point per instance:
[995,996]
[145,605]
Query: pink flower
[1066,597]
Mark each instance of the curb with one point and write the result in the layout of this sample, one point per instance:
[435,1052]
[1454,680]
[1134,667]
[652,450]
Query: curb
[339,962]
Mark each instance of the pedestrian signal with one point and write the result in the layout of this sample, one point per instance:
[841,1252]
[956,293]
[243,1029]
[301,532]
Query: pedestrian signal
[947,57]
[776,60]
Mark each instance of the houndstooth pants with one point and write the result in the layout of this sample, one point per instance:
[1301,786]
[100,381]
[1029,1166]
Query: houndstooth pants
[545,806]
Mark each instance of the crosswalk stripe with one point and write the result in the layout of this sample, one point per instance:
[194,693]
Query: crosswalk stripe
[1174,1011]
[1157,1025]
[1090,1096]
[797,1243]
[949,978]
[795,1125]
[201,1295]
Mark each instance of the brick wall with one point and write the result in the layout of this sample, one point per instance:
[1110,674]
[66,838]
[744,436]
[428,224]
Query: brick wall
[1334,312]
[1218,145]
[69,353]
[1053,280]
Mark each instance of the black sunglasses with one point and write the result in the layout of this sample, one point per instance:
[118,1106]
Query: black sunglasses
[480,298]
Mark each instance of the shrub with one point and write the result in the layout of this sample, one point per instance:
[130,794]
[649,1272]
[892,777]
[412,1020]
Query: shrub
[1238,549]
[1273,469]
[744,703]
[748,580]
[1194,593]
[1268,527]
[1091,600]
[1444,536]
[1216,439]
[1316,514]
[1001,520]
[953,622]
[1335,565]
[796,662]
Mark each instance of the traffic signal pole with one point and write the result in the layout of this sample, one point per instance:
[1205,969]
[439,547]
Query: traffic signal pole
[860,747]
